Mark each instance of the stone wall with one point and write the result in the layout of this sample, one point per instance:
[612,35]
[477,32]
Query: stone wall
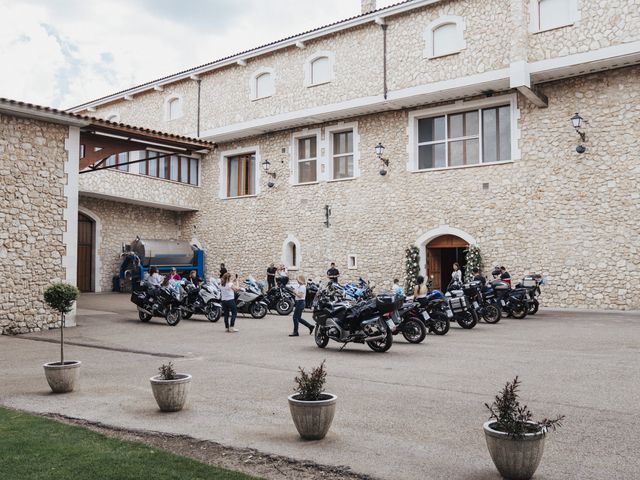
[573,218]
[120,223]
[32,203]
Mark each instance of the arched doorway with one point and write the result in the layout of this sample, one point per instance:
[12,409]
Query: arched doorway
[86,245]
[442,252]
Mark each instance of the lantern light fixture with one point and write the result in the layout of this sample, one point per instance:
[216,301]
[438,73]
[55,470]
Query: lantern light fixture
[577,122]
[379,150]
[266,165]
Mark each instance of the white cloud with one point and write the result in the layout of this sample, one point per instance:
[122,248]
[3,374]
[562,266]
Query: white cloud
[65,52]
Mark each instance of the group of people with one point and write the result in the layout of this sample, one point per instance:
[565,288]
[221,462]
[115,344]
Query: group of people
[156,280]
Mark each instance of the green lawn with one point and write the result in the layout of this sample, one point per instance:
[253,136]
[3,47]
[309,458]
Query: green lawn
[34,448]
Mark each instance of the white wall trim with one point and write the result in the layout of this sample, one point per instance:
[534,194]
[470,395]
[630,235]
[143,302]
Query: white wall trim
[308,77]
[432,234]
[461,106]
[97,258]
[222,179]
[293,154]
[285,247]
[460,44]
[70,213]
[534,18]
[168,99]
[253,85]
[328,157]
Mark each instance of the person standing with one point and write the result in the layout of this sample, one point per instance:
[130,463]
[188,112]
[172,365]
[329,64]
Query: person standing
[300,294]
[333,273]
[271,276]
[228,296]
[456,275]
[478,277]
[223,270]
[420,291]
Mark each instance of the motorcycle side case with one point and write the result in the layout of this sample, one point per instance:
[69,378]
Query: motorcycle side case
[500,285]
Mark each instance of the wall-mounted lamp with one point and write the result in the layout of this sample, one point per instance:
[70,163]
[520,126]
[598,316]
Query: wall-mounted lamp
[577,122]
[379,149]
[266,165]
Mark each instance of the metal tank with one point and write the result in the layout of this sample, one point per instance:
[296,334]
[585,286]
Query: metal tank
[163,253]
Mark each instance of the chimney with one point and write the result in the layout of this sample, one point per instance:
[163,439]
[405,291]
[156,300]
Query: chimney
[368,6]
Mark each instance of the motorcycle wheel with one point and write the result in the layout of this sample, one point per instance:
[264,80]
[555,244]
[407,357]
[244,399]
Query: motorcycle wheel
[440,325]
[467,321]
[492,314]
[173,317]
[257,310]
[322,339]
[187,315]
[382,345]
[144,317]
[284,306]
[519,310]
[213,313]
[533,307]
[413,330]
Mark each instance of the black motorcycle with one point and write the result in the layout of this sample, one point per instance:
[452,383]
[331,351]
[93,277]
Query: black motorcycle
[281,299]
[513,301]
[364,322]
[463,311]
[408,323]
[312,290]
[164,301]
[483,301]
[532,285]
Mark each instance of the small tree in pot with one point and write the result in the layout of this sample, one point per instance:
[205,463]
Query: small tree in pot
[311,408]
[515,441]
[170,389]
[62,375]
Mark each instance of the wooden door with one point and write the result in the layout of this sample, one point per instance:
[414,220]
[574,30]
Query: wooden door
[85,254]
[434,267]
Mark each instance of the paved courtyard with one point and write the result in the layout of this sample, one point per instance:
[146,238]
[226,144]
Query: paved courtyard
[415,412]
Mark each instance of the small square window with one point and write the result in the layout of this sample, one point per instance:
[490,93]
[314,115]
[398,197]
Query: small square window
[352,262]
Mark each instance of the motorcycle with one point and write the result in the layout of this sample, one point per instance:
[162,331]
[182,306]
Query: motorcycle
[251,300]
[463,311]
[312,290]
[367,322]
[164,301]
[409,323]
[485,305]
[281,299]
[358,291]
[512,301]
[204,300]
[532,284]
[434,312]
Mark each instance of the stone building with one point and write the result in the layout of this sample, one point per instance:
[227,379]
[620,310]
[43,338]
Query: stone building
[472,100]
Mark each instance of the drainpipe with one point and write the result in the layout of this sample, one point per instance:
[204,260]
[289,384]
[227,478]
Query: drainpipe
[198,113]
[383,25]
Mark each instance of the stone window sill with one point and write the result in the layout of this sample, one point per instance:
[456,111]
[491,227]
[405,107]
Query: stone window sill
[459,167]
[142,175]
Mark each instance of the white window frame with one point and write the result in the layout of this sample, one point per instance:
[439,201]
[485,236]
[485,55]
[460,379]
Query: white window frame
[253,83]
[510,99]
[355,262]
[291,239]
[308,76]
[534,16]
[167,109]
[342,127]
[461,43]
[222,179]
[294,154]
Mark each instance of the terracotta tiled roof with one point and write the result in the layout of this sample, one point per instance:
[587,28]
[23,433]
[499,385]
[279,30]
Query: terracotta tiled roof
[106,123]
[245,52]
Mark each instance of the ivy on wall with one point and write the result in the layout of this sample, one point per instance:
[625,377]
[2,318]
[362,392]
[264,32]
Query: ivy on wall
[412,268]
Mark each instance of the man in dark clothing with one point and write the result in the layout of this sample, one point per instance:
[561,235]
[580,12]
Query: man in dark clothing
[271,276]
[477,277]
[333,273]
[504,275]
[223,270]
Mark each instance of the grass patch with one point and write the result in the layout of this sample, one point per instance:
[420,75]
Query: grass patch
[36,448]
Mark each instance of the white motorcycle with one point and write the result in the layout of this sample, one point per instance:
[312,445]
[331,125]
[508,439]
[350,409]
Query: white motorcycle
[204,300]
[251,300]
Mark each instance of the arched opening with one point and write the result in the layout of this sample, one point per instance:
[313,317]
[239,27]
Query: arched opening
[291,253]
[86,247]
[442,253]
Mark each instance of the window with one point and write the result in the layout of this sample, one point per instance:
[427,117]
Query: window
[176,168]
[444,36]
[307,159]
[262,83]
[291,257]
[117,160]
[342,164]
[173,108]
[550,14]
[318,69]
[352,262]
[241,175]
[469,137]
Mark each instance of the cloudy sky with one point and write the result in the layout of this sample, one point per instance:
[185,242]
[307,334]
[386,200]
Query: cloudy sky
[64,52]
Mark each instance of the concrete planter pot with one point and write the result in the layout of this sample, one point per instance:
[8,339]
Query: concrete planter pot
[515,458]
[62,378]
[313,419]
[171,395]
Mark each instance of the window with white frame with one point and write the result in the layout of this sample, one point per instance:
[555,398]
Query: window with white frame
[119,161]
[173,108]
[550,14]
[352,262]
[444,36]
[318,69]
[262,83]
[291,256]
[342,154]
[470,137]
[306,157]
[241,175]
[177,168]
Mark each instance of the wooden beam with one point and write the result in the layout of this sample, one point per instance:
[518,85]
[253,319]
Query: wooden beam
[98,148]
[537,98]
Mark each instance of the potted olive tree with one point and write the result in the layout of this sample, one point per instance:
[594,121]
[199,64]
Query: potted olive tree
[312,409]
[170,389]
[63,375]
[515,441]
